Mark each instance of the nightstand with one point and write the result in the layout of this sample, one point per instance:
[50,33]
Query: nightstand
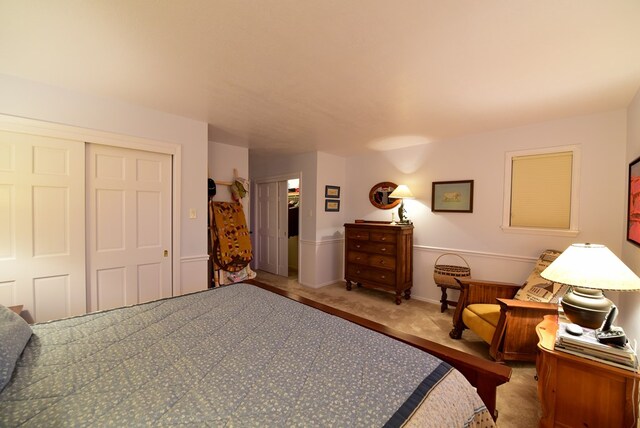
[17,309]
[578,392]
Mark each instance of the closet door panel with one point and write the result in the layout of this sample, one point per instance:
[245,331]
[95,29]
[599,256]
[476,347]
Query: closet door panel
[129,227]
[268,227]
[42,233]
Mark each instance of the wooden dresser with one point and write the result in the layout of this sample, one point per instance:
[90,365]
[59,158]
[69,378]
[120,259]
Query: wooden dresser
[578,392]
[379,255]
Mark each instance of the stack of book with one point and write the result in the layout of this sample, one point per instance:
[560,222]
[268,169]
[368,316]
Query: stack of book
[587,346]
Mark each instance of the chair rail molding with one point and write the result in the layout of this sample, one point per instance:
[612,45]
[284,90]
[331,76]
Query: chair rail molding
[475,253]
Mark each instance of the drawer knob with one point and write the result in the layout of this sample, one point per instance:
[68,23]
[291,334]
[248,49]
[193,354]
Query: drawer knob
[384,238]
[357,245]
[358,272]
[357,258]
[381,261]
[383,249]
[383,276]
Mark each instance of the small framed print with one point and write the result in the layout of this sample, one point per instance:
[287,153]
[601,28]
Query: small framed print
[633,213]
[332,192]
[452,196]
[331,205]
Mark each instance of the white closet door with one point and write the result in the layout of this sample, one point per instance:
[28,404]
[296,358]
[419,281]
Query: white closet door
[42,234]
[128,227]
[268,227]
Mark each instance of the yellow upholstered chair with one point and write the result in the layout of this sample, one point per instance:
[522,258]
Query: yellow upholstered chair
[505,315]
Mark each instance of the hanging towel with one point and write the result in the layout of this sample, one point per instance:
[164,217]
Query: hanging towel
[229,236]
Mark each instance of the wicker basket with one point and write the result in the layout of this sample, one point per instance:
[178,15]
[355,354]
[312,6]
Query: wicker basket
[444,275]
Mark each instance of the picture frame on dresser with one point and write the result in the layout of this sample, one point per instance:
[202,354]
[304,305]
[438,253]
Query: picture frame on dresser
[452,196]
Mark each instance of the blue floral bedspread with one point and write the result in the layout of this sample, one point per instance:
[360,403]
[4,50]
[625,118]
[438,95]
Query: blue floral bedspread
[234,356]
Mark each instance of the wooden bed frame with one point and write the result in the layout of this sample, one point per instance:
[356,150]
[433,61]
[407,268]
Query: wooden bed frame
[484,375]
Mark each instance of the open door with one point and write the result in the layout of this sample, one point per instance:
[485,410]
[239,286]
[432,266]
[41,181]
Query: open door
[276,248]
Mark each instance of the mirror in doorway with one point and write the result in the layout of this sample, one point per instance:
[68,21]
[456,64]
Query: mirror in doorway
[379,195]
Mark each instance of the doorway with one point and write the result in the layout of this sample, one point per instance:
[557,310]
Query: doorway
[293,226]
[278,226]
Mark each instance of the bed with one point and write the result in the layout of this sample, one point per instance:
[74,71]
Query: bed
[240,355]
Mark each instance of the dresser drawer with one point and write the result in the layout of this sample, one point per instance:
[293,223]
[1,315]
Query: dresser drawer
[382,237]
[362,235]
[373,260]
[371,247]
[365,273]
[358,257]
[384,262]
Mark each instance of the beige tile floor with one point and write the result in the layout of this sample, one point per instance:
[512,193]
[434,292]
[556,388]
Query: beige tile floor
[517,400]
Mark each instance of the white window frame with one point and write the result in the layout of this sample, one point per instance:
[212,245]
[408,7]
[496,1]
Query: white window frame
[575,192]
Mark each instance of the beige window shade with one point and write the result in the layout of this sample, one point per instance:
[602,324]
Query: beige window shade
[541,190]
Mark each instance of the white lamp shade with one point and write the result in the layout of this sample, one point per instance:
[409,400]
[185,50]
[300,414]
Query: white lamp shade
[402,191]
[591,266]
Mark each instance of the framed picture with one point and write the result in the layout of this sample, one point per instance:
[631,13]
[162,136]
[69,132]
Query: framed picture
[452,196]
[331,205]
[633,217]
[332,191]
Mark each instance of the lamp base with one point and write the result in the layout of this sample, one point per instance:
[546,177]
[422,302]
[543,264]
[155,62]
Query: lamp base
[586,307]
[402,213]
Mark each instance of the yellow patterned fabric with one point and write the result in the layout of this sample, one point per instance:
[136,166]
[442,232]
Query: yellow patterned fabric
[230,236]
[482,318]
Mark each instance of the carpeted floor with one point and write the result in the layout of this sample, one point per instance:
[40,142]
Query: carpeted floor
[517,400]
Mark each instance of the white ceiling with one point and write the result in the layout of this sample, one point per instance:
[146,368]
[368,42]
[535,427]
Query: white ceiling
[340,76]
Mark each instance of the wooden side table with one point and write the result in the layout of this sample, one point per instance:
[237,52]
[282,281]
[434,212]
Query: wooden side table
[578,392]
[444,300]
[17,309]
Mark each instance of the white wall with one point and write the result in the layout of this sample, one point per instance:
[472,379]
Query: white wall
[277,167]
[491,252]
[321,237]
[329,255]
[223,159]
[41,102]
[629,306]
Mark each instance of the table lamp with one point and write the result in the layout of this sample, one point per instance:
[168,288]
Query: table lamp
[589,269]
[402,192]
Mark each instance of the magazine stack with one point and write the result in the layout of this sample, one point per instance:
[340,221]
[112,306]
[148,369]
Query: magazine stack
[587,346]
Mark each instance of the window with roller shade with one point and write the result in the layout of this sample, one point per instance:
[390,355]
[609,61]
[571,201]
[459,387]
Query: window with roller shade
[542,186]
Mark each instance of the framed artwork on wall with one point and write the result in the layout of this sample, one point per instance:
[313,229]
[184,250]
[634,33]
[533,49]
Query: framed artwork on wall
[332,205]
[332,191]
[633,213]
[379,195]
[452,196]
